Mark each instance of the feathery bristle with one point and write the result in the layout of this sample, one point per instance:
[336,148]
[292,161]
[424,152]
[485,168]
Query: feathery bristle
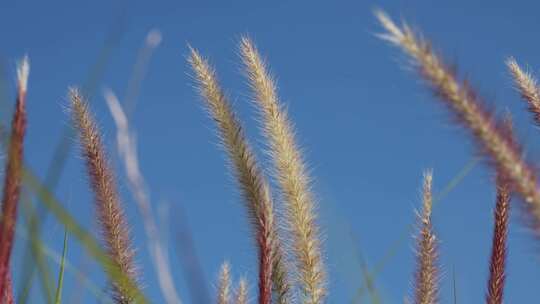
[527,86]
[254,187]
[496,143]
[242,292]
[498,250]
[224,285]
[114,227]
[291,175]
[12,179]
[426,279]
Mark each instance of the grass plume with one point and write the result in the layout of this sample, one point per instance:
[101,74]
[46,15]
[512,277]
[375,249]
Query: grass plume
[254,187]
[489,134]
[12,179]
[497,264]
[224,285]
[426,278]
[527,85]
[242,292]
[291,175]
[114,228]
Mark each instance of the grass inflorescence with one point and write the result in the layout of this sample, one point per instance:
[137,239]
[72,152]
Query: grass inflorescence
[114,228]
[12,179]
[426,290]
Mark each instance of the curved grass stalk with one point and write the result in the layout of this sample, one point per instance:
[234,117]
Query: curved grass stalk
[255,189]
[291,175]
[499,145]
[127,149]
[152,41]
[12,180]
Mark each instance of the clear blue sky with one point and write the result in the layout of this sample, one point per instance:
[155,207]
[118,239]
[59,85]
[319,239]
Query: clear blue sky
[368,127]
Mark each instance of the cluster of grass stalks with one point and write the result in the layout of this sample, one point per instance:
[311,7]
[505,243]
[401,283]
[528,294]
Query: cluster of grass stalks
[288,272]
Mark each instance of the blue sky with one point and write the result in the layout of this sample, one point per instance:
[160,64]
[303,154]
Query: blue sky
[367,125]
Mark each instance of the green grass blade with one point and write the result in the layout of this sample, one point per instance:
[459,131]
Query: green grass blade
[56,258]
[89,243]
[42,267]
[61,274]
[457,179]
